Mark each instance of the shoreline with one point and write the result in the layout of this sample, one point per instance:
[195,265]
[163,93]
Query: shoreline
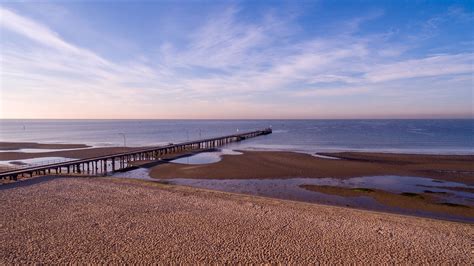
[266,164]
[306,232]
[282,164]
[240,173]
[200,190]
[272,165]
[9,150]
[169,186]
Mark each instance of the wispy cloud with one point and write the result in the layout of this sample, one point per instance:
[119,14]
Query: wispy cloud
[438,65]
[227,65]
[41,34]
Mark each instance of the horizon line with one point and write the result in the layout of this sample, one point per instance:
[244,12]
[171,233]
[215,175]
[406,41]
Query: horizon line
[197,119]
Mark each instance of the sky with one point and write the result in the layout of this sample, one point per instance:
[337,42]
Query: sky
[237,59]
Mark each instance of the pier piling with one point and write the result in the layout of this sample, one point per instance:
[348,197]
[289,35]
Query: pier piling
[122,160]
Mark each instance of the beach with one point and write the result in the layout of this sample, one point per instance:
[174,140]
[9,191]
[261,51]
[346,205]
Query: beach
[253,167]
[87,219]
[103,220]
[429,201]
[236,133]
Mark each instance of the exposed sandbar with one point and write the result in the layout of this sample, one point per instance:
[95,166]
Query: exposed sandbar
[264,164]
[83,153]
[410,201]
[35,145]
[76,220]
[76,154]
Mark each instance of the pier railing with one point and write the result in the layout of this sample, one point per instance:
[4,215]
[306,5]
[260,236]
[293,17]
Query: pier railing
[101,165]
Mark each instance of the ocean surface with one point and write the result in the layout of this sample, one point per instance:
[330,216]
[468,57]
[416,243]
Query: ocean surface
[411,136]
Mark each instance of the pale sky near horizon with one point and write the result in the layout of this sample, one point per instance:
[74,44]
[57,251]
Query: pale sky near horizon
[237,59]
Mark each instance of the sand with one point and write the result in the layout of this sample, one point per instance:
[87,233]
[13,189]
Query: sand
[410,201]
[76,154]
[35,145]
[263,164]
[4,168]
[74,220]
[258,164]
[82,153]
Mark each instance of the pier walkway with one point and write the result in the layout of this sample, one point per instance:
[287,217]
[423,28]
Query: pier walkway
[103,164]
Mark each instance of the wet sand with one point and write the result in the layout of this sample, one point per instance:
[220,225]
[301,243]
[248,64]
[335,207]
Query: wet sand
[4,168]
[76,154]
[263,164]
[35,145]
[411,201]
[81,220]
[79,153]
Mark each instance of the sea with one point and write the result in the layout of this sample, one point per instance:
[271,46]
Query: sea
[438,136]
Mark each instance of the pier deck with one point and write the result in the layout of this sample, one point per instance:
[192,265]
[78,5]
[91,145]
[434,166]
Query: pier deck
[103,164]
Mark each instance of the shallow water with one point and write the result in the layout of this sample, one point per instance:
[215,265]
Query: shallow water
[139,173]
[199,158]
[290,189]
[325,157]
[206,157]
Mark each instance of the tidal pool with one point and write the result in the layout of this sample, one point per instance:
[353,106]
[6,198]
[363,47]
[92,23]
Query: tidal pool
[205,157]
[290,189]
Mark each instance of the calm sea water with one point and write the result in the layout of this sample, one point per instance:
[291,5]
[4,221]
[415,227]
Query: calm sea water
[414,136]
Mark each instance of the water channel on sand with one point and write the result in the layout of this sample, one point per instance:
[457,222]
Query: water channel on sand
[291,189]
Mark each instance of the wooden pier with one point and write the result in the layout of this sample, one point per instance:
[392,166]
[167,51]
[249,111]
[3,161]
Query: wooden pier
[104,164]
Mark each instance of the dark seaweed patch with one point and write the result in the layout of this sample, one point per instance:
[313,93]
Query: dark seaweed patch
[409,194]
[361,189]
[434,192]
[453,205]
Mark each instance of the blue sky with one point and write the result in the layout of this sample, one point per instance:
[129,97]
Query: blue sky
[233,59]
